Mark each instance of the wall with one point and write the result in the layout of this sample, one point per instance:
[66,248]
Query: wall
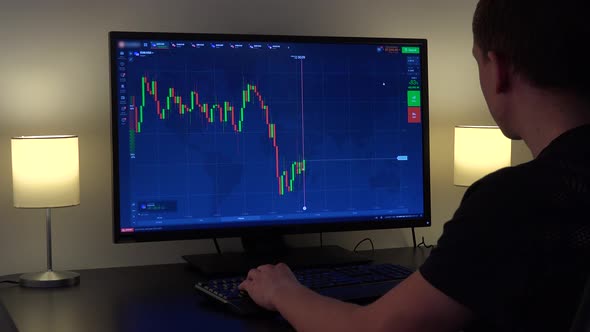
[54,79]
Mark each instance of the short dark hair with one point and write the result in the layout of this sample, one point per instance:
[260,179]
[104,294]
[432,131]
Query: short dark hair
[542,40]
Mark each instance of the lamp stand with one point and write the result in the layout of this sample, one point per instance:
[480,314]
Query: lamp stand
[49,278]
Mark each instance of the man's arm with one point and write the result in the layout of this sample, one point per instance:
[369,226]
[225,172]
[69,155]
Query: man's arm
[413,305]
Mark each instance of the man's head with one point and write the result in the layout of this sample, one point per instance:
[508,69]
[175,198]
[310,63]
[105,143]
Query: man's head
[538,42]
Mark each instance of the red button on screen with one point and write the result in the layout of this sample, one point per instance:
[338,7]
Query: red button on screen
[414,115]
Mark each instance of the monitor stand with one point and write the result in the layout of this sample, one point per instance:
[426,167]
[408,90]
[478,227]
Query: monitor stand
[261,250]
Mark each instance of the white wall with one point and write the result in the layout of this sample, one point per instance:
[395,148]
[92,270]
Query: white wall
[54,79]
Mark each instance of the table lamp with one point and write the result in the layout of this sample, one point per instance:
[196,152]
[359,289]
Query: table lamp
[45,174]
[479,150]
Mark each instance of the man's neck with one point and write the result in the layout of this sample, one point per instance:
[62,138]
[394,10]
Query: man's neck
[544,117]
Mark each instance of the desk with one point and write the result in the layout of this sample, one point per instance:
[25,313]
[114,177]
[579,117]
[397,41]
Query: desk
[143,299]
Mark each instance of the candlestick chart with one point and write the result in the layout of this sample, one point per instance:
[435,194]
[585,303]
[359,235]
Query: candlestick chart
[224,113]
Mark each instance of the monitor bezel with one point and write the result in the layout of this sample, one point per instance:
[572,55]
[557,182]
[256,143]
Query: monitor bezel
[149,236]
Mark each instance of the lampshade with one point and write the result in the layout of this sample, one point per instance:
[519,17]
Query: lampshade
[45,171]
[479,150]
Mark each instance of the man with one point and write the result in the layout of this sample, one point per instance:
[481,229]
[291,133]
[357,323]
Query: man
[515,255]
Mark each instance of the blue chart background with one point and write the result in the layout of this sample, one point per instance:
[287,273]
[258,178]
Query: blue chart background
[355,118]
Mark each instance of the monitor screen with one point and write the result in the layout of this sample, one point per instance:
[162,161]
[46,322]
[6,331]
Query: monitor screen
[225,135]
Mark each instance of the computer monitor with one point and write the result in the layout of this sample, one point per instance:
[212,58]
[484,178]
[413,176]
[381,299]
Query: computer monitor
[238,135]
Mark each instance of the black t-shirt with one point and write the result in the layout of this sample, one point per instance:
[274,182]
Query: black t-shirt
[517,250]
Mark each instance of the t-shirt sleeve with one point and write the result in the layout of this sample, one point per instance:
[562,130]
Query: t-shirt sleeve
[478,260]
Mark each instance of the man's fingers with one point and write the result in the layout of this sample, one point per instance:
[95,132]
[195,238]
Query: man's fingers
[244,285]
[265,267]
[283,266]
[252,274]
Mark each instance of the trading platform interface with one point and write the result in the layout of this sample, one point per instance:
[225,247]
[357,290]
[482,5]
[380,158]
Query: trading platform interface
[225,133]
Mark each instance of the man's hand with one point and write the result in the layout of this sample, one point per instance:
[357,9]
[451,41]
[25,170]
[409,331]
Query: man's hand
[266,282]
[413,305]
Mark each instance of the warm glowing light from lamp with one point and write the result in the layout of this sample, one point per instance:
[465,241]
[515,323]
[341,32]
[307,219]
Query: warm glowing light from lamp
[45,171]
[479,150]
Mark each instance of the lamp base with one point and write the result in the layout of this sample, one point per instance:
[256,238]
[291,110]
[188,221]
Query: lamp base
[50,279]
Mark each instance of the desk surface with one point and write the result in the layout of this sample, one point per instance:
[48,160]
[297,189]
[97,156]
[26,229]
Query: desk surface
[143,298]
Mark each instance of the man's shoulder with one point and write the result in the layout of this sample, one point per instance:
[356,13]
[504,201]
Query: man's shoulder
[506,191]
[508,180]
[510,176]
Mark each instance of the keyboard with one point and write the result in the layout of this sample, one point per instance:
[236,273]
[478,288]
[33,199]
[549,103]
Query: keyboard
[354,283]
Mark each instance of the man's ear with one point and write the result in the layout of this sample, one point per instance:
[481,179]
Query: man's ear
[501,72]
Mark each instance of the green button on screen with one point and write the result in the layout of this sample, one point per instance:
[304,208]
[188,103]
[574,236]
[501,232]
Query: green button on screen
[410,50]
[413,98]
